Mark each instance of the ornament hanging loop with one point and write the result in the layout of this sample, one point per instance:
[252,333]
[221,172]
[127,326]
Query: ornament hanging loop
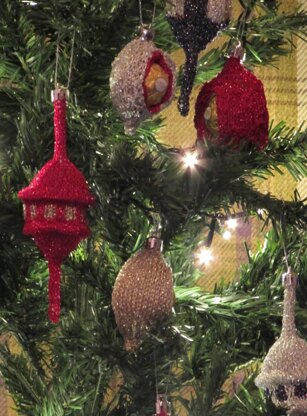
[59,88]
[146,30]
[236,50]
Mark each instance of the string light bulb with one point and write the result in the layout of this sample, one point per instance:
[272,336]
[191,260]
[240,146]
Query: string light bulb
[227,235]
[204,256]
[232,223]
[190,160]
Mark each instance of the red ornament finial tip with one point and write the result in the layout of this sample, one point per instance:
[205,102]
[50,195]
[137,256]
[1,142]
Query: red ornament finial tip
[54,291]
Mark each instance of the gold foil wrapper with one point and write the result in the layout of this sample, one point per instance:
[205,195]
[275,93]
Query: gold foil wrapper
[284,370]
[142,294]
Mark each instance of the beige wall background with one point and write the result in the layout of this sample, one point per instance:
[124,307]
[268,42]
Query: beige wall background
[286,89]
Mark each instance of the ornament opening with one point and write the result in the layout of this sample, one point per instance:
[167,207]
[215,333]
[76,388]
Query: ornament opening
[158,82]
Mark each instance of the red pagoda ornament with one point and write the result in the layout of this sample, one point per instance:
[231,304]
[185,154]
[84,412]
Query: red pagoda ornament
[162,406]
[55,205]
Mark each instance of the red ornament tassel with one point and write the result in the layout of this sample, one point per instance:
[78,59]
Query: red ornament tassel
[54,291]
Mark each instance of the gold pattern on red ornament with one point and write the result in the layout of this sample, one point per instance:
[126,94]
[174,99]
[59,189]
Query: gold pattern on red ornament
[143,293]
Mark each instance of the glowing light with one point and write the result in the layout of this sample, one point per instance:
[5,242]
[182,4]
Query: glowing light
[232,223]
[227,235]
[204,256]
[30,3]
[190,160]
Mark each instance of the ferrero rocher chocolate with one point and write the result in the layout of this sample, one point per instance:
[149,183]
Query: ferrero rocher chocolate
[283,375]
[143,293]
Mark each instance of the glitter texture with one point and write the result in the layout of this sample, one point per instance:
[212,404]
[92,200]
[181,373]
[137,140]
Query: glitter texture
[195,23]
[127,82]
[55,206]
[241,107]
[284,371]
[162,406]
[142,294]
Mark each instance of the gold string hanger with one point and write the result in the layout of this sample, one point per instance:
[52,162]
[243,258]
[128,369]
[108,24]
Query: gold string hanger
[57,58]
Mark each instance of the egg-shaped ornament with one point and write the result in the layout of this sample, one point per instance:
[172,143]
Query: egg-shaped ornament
[195,23]
[143,293]
[142,81]
[55,205]
[283,375]
[231,109]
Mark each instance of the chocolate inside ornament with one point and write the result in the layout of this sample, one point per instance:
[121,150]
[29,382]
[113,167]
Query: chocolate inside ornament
[283,375]
[195,23]
[157,83]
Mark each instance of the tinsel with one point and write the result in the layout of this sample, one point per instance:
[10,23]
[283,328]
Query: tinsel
[143,293]
[195,23]
[55,205]
[283,375]
[232,107]
[128,81]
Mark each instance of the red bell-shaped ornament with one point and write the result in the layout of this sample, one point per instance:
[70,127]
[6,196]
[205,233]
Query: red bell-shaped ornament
[55,205]
[232,108]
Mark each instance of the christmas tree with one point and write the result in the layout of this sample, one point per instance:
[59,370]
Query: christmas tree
[205,354]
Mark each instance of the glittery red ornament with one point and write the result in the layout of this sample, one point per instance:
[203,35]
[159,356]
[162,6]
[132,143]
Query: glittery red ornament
[162,406]
[241,107]
[55,205]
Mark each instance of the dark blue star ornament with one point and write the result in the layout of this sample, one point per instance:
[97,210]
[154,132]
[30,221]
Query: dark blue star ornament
[195,23]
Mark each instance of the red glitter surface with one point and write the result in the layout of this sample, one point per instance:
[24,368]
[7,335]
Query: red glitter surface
[55,207]
[241,106]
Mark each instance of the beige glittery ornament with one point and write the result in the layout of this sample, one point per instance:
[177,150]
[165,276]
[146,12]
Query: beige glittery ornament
[143,293]
[284,371]
[130,91]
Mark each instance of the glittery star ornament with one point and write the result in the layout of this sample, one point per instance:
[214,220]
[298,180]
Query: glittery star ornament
[142,81]
[283,375]
[55,205]
[232,107]
[195,23]
[143,293]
